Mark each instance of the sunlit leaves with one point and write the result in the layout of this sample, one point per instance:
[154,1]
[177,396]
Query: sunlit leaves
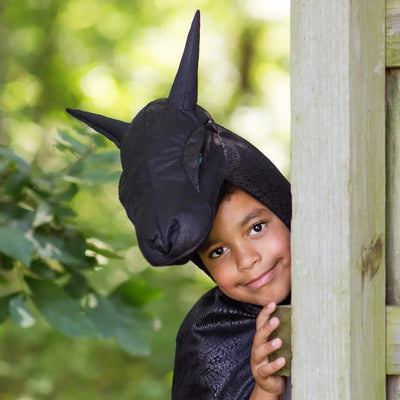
[20,312]
[62,311]
[71,144]
[119,317]
[49,259]
[8,155]
[133,325]
[97,317]
[101,250]
[14,244]
[5,306]
[43,215]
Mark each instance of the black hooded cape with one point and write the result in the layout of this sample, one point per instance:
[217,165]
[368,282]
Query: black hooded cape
[213,347]
[175,159]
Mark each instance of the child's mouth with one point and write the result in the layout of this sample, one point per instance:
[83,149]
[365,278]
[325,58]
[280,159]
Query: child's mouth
[262,279]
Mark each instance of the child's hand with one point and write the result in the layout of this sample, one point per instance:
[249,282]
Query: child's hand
[263,371]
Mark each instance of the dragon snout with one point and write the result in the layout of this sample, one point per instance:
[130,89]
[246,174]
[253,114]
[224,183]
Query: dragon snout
[164,240]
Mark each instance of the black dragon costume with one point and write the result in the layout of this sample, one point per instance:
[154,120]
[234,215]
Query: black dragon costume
[175,159]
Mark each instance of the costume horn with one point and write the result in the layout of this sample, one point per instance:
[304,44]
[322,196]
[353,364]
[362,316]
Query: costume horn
[111,128]
[183,94]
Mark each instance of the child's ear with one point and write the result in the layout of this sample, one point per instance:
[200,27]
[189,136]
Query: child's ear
[111,128]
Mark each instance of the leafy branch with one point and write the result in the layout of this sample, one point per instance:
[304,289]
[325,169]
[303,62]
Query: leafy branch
[45,258]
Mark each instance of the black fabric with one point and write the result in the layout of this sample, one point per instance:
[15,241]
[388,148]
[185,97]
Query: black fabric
[175,159]
[213,348]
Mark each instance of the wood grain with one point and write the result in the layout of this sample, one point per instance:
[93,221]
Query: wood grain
[338,186]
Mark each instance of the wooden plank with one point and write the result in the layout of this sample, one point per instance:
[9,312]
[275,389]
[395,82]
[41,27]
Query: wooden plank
[392,186]
[392,218]
[392,33]
[392,341]
[338,186]
[284,314]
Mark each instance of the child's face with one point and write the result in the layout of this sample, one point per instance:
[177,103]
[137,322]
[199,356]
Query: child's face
[248,251]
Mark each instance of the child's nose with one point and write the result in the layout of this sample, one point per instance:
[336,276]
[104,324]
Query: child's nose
[247,257]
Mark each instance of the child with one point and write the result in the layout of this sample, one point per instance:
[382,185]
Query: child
[196,191]
[247,253]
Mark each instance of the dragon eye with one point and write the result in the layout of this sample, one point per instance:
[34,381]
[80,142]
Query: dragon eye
[194,156]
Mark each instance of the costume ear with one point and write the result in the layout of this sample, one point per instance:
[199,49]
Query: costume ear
[183,95]
[109,127]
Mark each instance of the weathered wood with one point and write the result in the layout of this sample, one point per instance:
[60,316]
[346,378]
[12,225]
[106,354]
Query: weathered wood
[392,341]
[338,185]
[392,33]
[393,186]
[284,333]
[393,224]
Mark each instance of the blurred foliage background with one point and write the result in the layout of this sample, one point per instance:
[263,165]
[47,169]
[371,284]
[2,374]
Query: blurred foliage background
[113,57]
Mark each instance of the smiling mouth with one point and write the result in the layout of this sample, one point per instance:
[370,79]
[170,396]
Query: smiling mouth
[262,279]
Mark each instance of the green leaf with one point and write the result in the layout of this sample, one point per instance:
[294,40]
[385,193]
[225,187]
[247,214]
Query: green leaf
[104,160]
[60,310]
[129,325]
[10,155]
[14,244]
[69,249]
[77,286]
[6,262]
[62,212]
[3,165]
[4,306]
[66,194]
[102,251]
[43,270]
[15,184]
[20,312]
[132,340]
[98,140]
[43,215]
[76,169]
[137,292]
[133,327]
[102,176]
[16,217]
[71,143]
[103,316]
[95,177]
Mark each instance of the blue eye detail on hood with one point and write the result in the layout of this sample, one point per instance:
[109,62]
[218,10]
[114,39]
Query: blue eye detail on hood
[200,159]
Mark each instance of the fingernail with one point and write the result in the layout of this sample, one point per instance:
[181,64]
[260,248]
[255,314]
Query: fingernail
[273,321]
[276,343]
[280,361]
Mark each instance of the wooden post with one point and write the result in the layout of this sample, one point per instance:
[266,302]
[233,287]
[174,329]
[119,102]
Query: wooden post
[338,184]
[393,210]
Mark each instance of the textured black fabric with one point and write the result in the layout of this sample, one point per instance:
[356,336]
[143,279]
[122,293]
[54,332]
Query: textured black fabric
[175,159]
[213,348]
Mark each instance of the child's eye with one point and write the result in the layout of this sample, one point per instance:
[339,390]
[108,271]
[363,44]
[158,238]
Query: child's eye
[217,252]
[259,227]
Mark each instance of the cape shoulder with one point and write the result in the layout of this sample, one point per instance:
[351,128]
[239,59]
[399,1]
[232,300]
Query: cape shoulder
[213,349]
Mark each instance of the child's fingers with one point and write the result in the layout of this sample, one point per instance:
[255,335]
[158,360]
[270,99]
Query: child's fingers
[259,354]
[267,369]
[265,314]
[262,334]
